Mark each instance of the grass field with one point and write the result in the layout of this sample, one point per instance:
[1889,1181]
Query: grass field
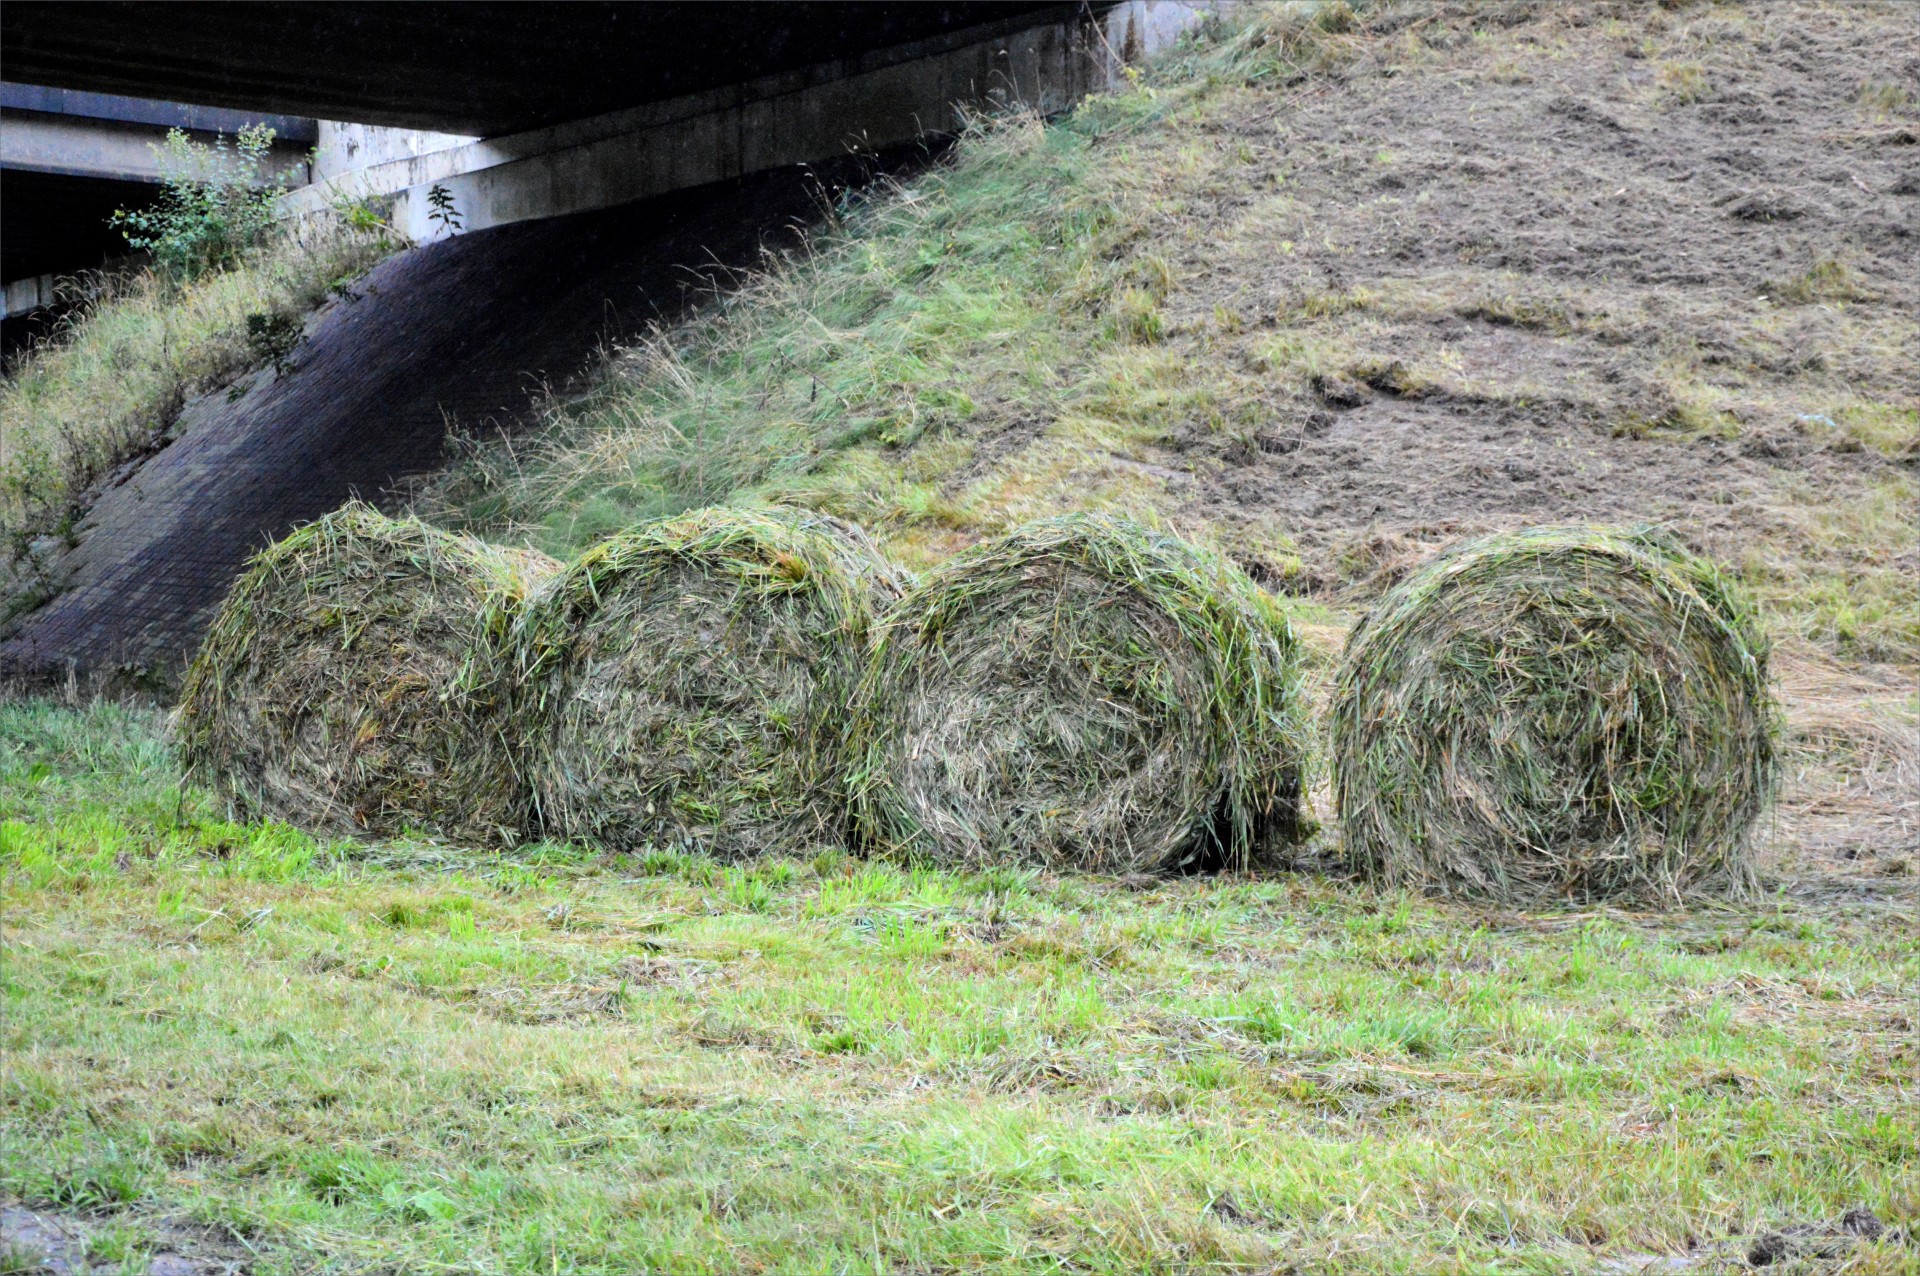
[1327,290]
[408,1057]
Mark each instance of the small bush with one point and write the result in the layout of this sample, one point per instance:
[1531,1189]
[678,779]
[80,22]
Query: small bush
[216,204]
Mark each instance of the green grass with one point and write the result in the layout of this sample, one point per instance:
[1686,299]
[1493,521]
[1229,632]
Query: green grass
[414,1057]
[816,375]
[111,381]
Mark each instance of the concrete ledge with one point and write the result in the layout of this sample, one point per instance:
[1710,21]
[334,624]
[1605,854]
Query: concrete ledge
[24,296]
[75,104]
[82,146]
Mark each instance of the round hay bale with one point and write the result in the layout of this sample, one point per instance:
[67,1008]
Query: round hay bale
[1566,713]
[686,683]
[347,685]
[1084,693]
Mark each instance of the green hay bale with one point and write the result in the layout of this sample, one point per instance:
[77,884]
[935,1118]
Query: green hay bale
[1086,694]
[687,682]
[1567,713]
[346,683]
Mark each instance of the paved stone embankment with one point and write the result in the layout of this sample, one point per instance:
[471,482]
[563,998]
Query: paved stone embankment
[460,332]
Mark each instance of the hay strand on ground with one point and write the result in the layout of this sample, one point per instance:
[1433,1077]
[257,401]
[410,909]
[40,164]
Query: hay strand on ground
[687,683]
[1565,713]
[1084,693]
[346,684]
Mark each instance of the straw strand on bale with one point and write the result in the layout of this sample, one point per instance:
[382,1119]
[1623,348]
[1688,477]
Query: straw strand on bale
[1083,693]
[1565,713]
[346,684]
[686,683]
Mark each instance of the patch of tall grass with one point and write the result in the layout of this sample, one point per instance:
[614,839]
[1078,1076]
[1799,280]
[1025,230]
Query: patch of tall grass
[876,335]
[110,381]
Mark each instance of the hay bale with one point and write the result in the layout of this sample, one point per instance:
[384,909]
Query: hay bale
[687,683]
[346,684]
[1561,713]
[1084,693]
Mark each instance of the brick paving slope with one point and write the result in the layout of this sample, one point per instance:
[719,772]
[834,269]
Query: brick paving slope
[465,329]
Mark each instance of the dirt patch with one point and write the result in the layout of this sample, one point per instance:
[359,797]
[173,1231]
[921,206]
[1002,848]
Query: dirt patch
[57,1244]
[1850,805]
[1611,264]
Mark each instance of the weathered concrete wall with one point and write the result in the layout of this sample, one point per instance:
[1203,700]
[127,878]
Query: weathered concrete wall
[112,149]
[347,148]
[869,102]
[24,296]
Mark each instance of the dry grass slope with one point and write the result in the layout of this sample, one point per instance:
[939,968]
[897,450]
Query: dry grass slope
[1331,290]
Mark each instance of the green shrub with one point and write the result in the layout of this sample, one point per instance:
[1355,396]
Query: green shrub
[216,204]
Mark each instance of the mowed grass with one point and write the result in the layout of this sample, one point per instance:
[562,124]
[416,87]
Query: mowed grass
[1113,309]
[409,1057]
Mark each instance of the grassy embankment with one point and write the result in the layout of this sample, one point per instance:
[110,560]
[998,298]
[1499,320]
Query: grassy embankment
[1125,307]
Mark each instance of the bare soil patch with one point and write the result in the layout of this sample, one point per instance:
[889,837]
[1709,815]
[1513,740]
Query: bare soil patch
[1611,264]
[1502,266]
[56,1243]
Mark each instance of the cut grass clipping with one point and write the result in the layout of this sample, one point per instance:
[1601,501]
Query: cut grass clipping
[344,684]
[1084,693]
[1566,713]
[687,683]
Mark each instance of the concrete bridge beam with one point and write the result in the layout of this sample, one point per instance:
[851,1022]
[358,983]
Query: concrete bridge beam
[869,102]
[110,150]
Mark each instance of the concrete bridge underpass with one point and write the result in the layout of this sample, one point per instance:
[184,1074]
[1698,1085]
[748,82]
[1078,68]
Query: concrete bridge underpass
[518,111]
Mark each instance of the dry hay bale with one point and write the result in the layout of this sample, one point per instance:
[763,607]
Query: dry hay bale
[686,683]
[1561,713]
[1083,693]
[347,683]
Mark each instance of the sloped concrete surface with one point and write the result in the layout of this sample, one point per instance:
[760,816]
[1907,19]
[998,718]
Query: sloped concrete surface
[462,331]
